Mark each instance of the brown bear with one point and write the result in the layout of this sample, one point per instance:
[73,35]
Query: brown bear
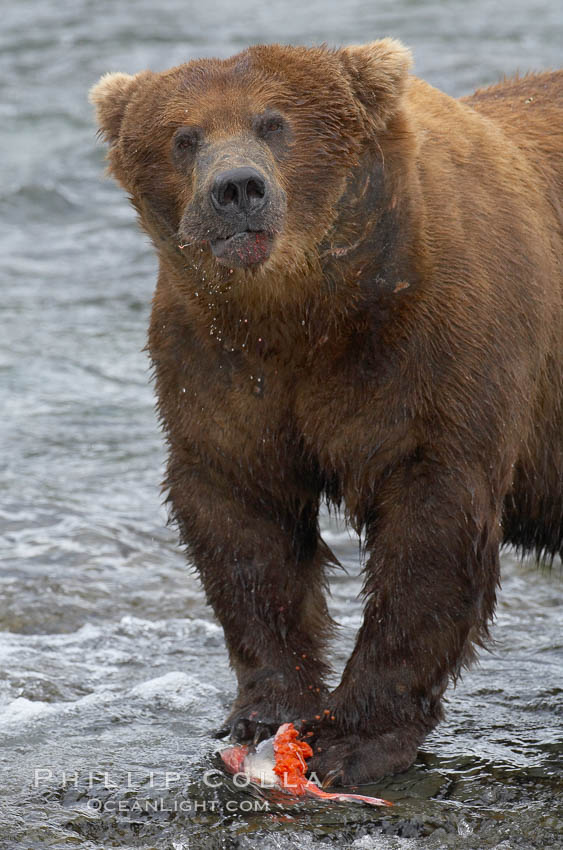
[359,301]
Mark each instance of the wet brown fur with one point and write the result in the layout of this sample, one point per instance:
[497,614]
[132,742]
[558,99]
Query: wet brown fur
[400,354]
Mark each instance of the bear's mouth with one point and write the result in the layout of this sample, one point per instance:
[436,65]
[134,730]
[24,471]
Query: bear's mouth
[243,249]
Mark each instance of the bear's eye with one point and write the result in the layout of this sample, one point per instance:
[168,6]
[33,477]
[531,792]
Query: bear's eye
[184,145]
[269,125]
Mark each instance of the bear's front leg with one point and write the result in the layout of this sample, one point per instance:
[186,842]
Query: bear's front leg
[430,591]
[261,562]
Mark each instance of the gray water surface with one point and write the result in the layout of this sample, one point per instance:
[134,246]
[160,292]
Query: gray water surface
[113,672]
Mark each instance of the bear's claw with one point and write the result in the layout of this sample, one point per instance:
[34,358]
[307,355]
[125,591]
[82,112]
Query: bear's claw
[249,729]
[358,759]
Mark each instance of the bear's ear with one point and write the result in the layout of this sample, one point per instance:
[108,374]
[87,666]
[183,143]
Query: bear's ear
[378,73]
[110,96]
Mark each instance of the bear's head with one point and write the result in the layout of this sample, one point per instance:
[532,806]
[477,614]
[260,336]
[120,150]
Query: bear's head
[245,160]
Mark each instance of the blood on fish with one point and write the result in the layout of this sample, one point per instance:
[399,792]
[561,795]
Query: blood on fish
[289,765]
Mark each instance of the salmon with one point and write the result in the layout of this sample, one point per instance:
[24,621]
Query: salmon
[281,762]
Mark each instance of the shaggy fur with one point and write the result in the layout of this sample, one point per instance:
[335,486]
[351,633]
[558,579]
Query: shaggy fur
[399,354]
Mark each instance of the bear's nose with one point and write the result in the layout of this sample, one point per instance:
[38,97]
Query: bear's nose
[239,190]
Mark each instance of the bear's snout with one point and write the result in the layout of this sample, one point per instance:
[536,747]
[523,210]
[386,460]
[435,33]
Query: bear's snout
[239,190]
[239,196]
[238,206]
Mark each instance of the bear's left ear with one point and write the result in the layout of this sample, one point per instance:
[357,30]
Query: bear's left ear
[110,96]
[378,73]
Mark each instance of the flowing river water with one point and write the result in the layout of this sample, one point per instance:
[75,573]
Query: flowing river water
[113,672]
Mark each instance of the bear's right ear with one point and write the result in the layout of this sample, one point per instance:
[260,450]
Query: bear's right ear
[378,73]
[110,96]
